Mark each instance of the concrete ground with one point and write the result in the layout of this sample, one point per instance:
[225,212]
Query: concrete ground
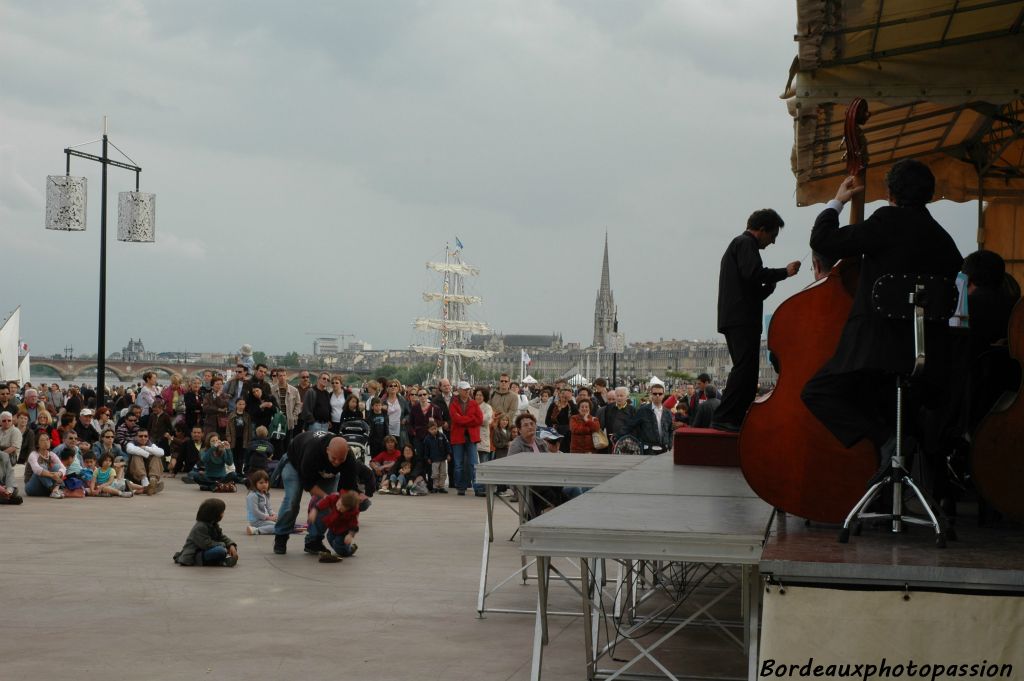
[90,592]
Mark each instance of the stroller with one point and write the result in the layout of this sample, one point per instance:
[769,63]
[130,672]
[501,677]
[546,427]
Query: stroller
[357,433]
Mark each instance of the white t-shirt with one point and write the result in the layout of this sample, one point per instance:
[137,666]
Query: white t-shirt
[337,404]
[394,417]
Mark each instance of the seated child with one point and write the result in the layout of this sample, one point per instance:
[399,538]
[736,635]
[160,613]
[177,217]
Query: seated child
[259,514]
[206,543]
[337,516]
[407,475]
[436,451]
[71,460]
[383,464]
[258,452]
[108,479]
[216,458]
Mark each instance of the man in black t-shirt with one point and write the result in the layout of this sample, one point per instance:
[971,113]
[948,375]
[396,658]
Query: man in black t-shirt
[319,463]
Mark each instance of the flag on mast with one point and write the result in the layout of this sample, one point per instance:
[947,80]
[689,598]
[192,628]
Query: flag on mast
[526,358]
[458,243]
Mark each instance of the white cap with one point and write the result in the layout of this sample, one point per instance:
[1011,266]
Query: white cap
[463,385]
[655,381]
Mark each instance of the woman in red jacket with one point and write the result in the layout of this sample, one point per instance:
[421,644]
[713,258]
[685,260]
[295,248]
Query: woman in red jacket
[582,427]
[466,421]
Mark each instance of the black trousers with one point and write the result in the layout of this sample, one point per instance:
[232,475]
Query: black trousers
[853,405]
[744,345]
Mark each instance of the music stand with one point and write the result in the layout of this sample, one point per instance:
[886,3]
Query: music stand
[919,299]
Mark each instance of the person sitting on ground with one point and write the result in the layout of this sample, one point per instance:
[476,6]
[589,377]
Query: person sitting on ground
[84,428]
[338,515]
[259,514]
[44,424]
[10,497]
[216,458]
[258,453]
[47,471]
[437,451]
[178,443]
[206,543]
[262,409]
[145,462]
[407,474]
[126,431]
[383,463]
[189,461]
[108,480]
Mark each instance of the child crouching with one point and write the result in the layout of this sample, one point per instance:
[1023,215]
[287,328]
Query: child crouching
[207,544]
[338,513]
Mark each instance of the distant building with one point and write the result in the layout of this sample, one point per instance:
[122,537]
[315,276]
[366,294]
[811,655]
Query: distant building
[326,346]
[135,351]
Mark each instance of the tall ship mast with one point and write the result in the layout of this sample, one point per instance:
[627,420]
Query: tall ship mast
[452,327]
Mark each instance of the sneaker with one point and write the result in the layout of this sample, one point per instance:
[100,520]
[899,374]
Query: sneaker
[462,492]
[151,488]
[280,544]
[353,548]
[441,491]
[316,548]
[328,557]
[480,494]
[56,494]
[230,561]
[159,485]
[126,495]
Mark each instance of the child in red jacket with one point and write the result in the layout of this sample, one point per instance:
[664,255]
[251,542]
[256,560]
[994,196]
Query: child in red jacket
[338,514]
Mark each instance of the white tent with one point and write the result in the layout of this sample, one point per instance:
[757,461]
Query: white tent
[578,380]
[530,380]
[655,381]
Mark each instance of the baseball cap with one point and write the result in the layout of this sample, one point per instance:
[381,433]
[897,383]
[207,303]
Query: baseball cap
[86,412]
[464,385]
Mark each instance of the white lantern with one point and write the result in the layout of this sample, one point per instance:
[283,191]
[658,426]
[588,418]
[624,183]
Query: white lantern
[136,217]
[65,203]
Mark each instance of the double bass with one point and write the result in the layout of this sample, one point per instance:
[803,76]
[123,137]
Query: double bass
[997,459]
[788,457]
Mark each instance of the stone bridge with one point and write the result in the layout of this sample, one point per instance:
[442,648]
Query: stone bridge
[75,369]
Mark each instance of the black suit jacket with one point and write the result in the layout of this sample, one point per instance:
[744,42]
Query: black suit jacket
[743,284]
[893,240]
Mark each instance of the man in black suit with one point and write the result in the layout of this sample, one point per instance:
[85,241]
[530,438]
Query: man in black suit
[743,284]
[851,394]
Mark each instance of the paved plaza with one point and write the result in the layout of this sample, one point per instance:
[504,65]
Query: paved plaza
[91,592]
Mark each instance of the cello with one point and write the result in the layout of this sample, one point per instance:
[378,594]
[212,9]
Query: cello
[997,460]
[788,457]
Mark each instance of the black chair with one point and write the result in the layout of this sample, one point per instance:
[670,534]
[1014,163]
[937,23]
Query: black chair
[917,299]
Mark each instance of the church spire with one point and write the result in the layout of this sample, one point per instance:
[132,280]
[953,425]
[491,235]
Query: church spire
[604,307]
[605,278]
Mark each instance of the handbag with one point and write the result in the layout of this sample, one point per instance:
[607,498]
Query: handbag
[600,439]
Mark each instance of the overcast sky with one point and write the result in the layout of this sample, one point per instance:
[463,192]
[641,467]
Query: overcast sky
[308,158]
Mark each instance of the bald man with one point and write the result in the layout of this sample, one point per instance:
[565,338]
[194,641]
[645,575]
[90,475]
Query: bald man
[319,463]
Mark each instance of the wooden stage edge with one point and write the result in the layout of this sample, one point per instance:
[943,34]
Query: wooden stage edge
[982,559]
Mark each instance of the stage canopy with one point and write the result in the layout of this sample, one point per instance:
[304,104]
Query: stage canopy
[944,81]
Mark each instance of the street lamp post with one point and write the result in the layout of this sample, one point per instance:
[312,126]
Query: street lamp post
[65,211]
